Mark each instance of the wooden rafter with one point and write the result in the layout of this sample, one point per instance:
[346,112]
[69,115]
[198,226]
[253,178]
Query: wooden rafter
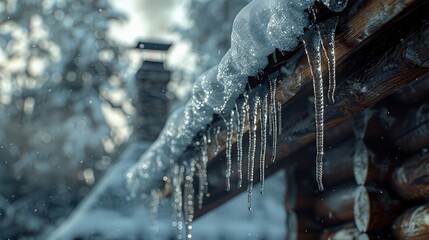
[380,47]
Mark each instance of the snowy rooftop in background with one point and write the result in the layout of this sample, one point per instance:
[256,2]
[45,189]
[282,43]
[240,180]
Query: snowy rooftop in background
[105,214]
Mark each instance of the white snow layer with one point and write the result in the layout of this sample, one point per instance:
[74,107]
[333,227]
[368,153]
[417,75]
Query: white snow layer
[106,214]
[258,29]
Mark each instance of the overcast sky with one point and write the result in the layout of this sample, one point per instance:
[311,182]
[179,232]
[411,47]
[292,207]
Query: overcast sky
[148,19]
[152,20]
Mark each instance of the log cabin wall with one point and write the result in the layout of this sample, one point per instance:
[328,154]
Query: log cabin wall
[375,173]
[377,179]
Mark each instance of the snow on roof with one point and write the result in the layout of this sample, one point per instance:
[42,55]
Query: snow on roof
[258,29]
[153,46]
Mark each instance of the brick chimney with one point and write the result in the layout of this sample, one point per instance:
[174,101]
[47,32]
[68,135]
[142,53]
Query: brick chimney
[151,80]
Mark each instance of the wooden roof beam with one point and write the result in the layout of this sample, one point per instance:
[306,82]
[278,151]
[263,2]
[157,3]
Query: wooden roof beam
[373,62]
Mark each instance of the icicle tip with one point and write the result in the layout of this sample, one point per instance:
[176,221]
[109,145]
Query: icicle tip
[319,171]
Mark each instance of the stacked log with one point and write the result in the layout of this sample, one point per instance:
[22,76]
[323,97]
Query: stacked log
[370,166]
[375,59]
[302,227]
[338,167]
[346,231]
[386,178]
[299,197]
[336,205]
[413,224]
[415,92]
[411,131]
[374,209]
[362,182]
[309,211]
[356,203]
[411,180]
[300,224]
[369,185]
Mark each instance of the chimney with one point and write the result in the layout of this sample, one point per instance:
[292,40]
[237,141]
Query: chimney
[151,80]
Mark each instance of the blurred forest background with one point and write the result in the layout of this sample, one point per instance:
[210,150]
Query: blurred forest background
[67,104]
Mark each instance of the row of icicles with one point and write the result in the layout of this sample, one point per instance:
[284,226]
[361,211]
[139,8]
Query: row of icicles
[255,106]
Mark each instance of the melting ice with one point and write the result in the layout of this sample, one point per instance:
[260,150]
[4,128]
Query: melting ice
[259,28]
[263,150]
[230,131]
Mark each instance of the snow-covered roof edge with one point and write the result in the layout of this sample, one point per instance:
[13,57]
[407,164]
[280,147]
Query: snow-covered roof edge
[259,28]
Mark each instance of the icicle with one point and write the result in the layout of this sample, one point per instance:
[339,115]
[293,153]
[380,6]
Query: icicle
[279,118]
[253,120]
[154,207]
[178,198]
[209,134]
[270,119]
[312,48]
[241,121]
[335,5]
[230,131]
[202,173]
[263,151]
[273,117]
[327,32]
[216,136]
[239,143]
[189,199]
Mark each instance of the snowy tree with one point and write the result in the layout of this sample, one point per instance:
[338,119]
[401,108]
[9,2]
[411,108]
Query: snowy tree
[59,74]
[210,29]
